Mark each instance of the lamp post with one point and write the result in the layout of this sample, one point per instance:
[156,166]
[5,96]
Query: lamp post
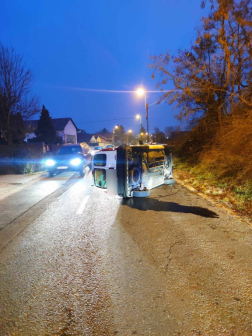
[142,92]
[116,127]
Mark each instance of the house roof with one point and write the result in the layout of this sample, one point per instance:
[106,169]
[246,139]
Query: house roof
[58,123]
[107,136]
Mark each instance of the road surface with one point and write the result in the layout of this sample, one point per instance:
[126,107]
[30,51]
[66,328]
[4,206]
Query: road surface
[93,264]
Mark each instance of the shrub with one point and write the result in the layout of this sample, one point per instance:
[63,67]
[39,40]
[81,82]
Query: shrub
[21,159]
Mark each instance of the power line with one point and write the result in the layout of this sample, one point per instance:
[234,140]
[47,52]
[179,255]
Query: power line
[96,121]
[107,91]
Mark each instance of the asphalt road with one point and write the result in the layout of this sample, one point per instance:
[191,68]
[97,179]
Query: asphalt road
[93,264]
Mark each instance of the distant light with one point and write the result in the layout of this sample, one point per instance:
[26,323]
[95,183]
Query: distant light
[140,91]
[50,163]
[146,133]
[129,131]
[116,127]
[75,162]
[141,133]
[138,116]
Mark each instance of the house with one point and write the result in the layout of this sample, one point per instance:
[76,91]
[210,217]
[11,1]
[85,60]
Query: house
[101,139]
[64,127]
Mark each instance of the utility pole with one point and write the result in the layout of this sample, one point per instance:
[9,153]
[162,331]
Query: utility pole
[147,118]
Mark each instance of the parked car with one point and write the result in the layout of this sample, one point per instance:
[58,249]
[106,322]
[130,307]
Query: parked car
[68,157]
[109,146]
[96,149]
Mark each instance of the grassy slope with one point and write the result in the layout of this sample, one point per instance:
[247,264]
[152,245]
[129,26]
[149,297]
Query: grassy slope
[227,190]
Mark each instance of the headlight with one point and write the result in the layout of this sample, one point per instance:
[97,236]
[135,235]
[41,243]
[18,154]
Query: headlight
[93,152]
[50,163]
[75,162]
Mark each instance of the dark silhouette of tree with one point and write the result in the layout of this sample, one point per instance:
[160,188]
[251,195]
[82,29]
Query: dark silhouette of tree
[103,131]
[15,91]
[142,130]
[45,131]
[158,136]
[121,130]
[17,128]
[119,133]
[168,130]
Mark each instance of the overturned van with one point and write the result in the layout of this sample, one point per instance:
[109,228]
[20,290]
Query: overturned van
[132,171]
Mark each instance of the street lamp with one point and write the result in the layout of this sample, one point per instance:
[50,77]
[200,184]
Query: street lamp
[141,92]
[116,127]
[129,132]
[138,116]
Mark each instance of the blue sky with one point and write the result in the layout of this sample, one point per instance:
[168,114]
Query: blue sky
[102,44]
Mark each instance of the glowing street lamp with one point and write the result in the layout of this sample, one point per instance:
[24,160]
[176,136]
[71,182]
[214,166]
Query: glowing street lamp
[138,116]
[116,127]
[140,92]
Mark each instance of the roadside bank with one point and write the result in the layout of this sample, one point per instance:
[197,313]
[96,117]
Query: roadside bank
[228,193]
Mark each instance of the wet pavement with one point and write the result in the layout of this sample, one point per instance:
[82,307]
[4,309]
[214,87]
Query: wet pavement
[27,193]
[94,264]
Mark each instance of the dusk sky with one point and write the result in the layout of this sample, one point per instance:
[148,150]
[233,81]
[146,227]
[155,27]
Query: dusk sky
[103,45]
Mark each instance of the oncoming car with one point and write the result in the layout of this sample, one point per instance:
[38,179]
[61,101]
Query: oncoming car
[132,171]
[68,157]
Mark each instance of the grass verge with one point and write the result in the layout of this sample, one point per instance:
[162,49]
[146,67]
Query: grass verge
[228,191]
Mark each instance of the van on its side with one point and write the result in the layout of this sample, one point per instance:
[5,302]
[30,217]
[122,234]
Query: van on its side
[132,171]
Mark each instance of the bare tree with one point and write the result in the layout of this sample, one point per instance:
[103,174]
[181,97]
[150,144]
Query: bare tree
[15,90]
[212,79]
[168,130]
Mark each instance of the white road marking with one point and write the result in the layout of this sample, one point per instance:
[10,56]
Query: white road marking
[83,204]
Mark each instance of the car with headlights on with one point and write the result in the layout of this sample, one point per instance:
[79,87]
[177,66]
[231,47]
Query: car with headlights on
[68,158]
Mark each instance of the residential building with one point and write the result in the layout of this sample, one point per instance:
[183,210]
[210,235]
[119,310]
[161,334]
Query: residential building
[64,127]
[101,139]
